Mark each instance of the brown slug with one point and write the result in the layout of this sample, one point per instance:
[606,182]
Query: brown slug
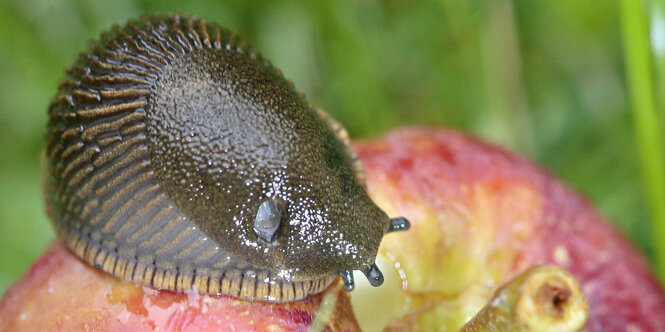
[178,157]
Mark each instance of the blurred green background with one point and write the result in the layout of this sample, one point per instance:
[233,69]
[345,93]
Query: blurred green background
[544,78]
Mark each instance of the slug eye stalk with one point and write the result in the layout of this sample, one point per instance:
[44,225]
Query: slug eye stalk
[399,224]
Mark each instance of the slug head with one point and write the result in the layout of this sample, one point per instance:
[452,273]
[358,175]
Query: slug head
[257,170]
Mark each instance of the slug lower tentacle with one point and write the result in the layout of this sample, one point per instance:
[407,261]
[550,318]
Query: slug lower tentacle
[347,278]
[374,275]
[179,158]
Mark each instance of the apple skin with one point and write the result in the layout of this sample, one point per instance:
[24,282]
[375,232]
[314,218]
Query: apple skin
[63,293]
[479,216]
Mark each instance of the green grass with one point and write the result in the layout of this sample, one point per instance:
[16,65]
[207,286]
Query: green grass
[554,80]
[648,128]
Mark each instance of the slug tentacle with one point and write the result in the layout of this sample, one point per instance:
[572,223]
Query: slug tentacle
[399,224]
[374,275]
[347,278]
[179,158]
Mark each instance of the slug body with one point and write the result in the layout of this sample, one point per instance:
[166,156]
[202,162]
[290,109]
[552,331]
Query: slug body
[179,158]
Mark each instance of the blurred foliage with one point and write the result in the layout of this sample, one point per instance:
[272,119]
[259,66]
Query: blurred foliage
[545,78]
[648,129]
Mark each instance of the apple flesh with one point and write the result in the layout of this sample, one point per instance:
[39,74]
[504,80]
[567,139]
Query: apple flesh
[480,216]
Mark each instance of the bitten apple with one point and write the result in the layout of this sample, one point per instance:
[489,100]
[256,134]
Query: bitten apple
[479,216]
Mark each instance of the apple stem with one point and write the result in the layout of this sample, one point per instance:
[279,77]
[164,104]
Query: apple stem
[544,298]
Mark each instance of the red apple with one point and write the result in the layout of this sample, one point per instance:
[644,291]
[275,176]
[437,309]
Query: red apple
[479,217]
[63,293]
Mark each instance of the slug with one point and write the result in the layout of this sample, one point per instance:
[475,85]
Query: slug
[178,157]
